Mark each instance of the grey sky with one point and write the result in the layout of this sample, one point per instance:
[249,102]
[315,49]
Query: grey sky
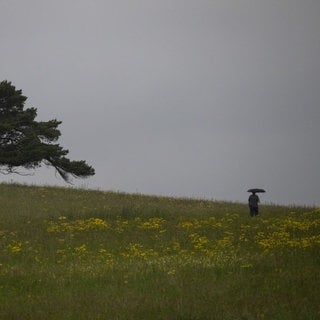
[201,98]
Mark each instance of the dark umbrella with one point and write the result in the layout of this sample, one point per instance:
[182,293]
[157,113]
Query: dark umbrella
[256,190]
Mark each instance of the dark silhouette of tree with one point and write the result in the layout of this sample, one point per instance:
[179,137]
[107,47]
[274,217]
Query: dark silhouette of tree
[29,144]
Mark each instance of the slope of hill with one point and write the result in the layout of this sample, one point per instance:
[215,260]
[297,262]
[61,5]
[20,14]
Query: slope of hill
[80,254]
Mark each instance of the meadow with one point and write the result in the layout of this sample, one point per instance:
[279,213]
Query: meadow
[80,254]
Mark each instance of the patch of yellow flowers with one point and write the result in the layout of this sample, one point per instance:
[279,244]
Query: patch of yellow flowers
[290,232]
[207,240]
[63,225]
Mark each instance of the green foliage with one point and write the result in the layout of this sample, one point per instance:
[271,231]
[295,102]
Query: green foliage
[27,143]
[79,254]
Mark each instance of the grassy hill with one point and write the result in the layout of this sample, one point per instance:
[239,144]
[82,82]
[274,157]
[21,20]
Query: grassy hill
[80,254]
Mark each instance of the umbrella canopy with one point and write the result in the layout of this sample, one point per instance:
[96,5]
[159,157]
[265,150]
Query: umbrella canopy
[256,190]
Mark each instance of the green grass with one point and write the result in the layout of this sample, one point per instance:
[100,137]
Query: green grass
[80,254]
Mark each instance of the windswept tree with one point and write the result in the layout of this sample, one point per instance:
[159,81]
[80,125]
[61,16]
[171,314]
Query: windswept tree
[26,143]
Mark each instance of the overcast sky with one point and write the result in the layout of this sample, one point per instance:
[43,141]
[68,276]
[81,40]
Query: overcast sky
[191,98]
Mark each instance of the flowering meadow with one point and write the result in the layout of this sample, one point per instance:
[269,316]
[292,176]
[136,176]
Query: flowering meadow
[80,254]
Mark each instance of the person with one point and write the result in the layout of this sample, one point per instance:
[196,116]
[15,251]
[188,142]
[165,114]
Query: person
[254,204]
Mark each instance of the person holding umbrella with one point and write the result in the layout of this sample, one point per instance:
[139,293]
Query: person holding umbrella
[254,201]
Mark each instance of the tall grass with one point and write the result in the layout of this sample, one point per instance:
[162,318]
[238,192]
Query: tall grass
[80,254]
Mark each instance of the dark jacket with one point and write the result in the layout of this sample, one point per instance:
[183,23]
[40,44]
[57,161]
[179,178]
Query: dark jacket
[253,200]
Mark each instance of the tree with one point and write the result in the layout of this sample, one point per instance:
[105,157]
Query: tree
[27,143]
